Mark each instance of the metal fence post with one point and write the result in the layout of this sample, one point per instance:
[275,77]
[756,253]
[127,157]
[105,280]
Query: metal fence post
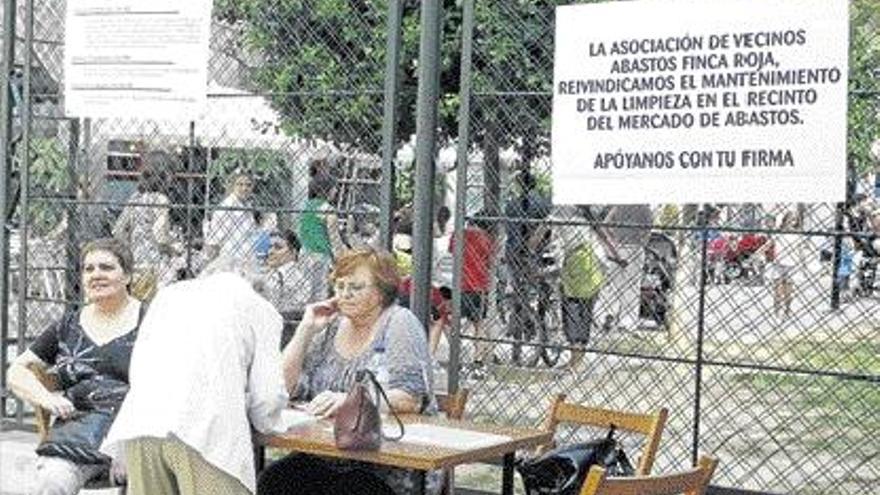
[9,8]
[461,171]
[701,327]
[25,185]
[71,249]
[426,136]
[389,121]
[189,234]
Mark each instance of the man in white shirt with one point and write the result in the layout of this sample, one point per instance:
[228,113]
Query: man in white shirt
[206,366]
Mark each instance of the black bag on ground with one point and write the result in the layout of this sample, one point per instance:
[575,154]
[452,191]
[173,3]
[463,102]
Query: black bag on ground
[562,471]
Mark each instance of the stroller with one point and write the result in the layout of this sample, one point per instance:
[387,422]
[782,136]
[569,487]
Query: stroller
[748,258]
[731,258]
[658,276]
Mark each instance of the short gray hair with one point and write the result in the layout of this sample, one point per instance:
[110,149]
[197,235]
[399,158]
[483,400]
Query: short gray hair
[245,267]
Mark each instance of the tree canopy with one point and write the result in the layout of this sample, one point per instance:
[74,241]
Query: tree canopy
[323,68]
[323,63]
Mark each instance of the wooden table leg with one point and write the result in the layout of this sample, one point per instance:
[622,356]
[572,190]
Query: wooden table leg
[259,458]
[421,482]
[507,474]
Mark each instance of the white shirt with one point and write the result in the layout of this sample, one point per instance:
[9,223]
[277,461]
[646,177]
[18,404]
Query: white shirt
[443,262]
[289,287]
[232,231]
[206,365]
[787,248]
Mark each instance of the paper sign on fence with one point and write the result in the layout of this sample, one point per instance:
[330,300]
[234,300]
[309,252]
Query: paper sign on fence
[136,58]
[685,101]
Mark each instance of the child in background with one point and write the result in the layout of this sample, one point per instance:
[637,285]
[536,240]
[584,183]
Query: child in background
[787,250]
[477,260]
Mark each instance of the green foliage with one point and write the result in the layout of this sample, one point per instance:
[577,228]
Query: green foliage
[255,161]
[268,167]
[324,65]
[49,176]
[864,127]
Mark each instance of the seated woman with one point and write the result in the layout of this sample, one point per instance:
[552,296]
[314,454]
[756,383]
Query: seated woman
[90,350]
[359,327]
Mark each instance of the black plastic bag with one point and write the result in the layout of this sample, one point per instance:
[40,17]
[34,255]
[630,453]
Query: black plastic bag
[79,438]
[562,471]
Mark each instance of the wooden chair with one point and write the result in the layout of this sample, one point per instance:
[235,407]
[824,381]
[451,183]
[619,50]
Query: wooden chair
[649,425]
[43,420]
[453,405]
[691,482]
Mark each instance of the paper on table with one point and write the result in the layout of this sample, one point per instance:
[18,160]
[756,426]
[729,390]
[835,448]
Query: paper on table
[292,418]
[445,437]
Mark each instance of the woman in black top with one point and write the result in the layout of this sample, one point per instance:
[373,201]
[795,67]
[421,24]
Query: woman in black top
[89,350]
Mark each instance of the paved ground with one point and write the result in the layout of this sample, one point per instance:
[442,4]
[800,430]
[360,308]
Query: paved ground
[17,464]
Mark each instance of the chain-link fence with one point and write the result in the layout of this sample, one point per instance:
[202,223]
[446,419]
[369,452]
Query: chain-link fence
[283,166]
[753,324]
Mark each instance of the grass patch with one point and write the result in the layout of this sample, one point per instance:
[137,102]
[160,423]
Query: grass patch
[851,357]
[832,414]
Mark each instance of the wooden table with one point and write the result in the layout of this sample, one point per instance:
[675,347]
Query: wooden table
[317,439]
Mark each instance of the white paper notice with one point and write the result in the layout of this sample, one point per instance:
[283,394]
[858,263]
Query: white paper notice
[291,418]
[136,58]
[444,436]
[683,101]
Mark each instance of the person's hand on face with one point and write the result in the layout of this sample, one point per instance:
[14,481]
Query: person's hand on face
[320,314]
[325,404]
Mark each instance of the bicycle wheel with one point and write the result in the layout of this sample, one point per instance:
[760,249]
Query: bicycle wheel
[555,339]
[523,327]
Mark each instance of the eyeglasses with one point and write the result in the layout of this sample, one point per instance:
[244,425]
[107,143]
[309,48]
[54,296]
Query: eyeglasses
[351,288]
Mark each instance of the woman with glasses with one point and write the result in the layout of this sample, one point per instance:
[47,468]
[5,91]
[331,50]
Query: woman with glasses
[359,327]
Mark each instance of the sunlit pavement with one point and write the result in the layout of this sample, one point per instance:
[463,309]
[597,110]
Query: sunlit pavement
[17,459]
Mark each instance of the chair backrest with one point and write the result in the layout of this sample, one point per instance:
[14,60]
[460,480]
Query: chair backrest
[453,404]
[691,482]
[649,425]
[42,416]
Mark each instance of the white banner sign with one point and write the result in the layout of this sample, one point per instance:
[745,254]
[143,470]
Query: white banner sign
[696,101]
[136,58]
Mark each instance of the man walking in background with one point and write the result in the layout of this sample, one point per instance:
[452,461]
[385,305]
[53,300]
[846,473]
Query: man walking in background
[623,294]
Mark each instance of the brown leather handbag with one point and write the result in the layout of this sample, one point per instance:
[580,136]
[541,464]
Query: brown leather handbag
[357,424]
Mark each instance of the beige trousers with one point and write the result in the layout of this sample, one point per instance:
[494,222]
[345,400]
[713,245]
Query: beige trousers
[167,466]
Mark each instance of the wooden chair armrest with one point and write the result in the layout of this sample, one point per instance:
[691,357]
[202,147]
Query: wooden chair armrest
[42,417]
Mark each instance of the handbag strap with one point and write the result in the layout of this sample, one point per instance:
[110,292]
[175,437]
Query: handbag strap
[381,390]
